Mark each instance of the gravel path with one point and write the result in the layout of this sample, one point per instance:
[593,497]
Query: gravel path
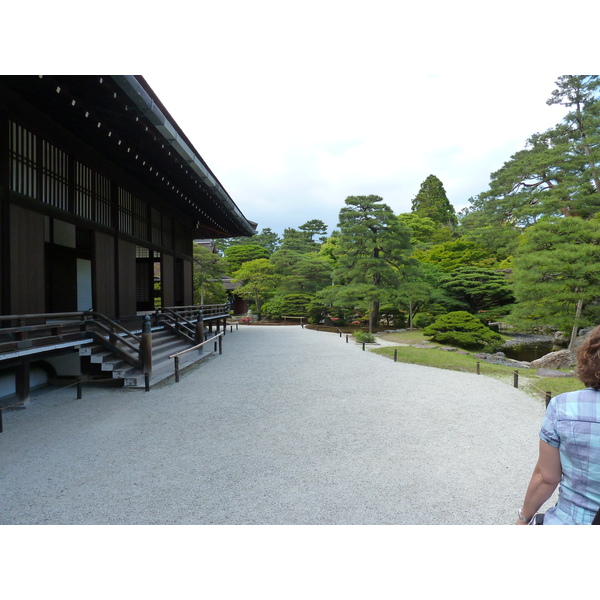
[288,426]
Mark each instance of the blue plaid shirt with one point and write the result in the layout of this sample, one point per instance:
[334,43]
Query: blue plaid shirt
[572,424]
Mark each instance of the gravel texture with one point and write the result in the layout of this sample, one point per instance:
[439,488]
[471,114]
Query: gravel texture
[288,426]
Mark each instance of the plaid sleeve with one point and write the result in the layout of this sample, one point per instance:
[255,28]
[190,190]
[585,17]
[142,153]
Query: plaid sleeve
[549,430]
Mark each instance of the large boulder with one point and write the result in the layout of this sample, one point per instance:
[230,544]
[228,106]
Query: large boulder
[562,359]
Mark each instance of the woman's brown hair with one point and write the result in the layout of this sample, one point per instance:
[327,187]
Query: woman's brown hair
[588,359]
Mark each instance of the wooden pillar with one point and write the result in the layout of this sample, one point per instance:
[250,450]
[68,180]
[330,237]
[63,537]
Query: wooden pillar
[22,382]
[146,346]
[5,307]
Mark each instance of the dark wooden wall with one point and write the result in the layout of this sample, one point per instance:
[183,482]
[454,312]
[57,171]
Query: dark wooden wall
[105,292]
[27,262]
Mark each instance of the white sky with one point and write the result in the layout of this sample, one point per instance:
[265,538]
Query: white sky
[296,106]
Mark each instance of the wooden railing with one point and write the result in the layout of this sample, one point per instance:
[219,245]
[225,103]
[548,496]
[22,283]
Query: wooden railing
[187,322]
[45,330]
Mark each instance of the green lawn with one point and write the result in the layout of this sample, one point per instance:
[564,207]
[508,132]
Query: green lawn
[433,356]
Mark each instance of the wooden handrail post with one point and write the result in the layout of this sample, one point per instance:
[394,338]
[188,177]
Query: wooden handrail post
[146,345]
[200,328]
[516,379]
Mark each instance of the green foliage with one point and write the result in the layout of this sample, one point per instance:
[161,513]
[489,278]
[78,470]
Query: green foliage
[290,305]
[295,305]
[258,281]
[463,330]
[557,174]
[209,270]
[364,337]
[432,202]
[477,288]
[267,238]
[236,256]
[425,231]
[316,310]
[451,255]
[392,315]
[306,273]
[313,228]
[557,268]
[373,245]
[423,319]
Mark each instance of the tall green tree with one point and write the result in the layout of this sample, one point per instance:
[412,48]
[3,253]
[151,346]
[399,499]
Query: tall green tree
[267,238]
[558,171]
[209,270]
[557,275]
[258,281]
[373,245]
[312,228]
[297,241]
[432,202]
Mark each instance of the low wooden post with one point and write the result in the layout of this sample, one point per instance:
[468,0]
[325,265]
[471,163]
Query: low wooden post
[346,338]
[516,379]
[478,369]
[200,329]
[395,354]
[176,359]
[363,346]
[147,381]
[548,398]
[146,345]
[221,344]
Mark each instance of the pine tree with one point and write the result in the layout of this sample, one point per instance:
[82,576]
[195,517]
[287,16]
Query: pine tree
[373,244]
[432,202]
[557,275]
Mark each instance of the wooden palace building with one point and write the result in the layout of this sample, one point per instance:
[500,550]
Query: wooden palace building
[101,197]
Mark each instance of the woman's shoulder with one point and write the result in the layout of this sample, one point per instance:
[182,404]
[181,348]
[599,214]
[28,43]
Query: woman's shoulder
[572,404]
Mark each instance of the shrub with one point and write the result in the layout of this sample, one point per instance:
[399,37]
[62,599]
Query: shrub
[364,336]
[464,330]
[423,319]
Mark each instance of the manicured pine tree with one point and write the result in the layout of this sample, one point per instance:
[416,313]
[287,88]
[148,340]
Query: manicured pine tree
[373,245]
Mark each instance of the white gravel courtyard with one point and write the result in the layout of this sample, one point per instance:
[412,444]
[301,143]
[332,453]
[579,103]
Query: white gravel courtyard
[288,426]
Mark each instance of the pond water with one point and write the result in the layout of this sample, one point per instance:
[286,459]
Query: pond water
[528,351]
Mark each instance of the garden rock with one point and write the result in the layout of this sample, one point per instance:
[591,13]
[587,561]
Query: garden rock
[554,373]
[562,359]
[499,358]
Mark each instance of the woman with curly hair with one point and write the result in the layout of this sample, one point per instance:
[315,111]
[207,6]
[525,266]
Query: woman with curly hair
[569,451]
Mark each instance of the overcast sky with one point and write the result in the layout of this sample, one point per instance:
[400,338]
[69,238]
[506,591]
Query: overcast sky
[295,106]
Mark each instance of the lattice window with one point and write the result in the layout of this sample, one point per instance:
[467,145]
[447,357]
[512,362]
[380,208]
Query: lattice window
[55,176]
[23,160]
[156,218]
[84,180]
[140,219]
[125,211]
[102,200]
